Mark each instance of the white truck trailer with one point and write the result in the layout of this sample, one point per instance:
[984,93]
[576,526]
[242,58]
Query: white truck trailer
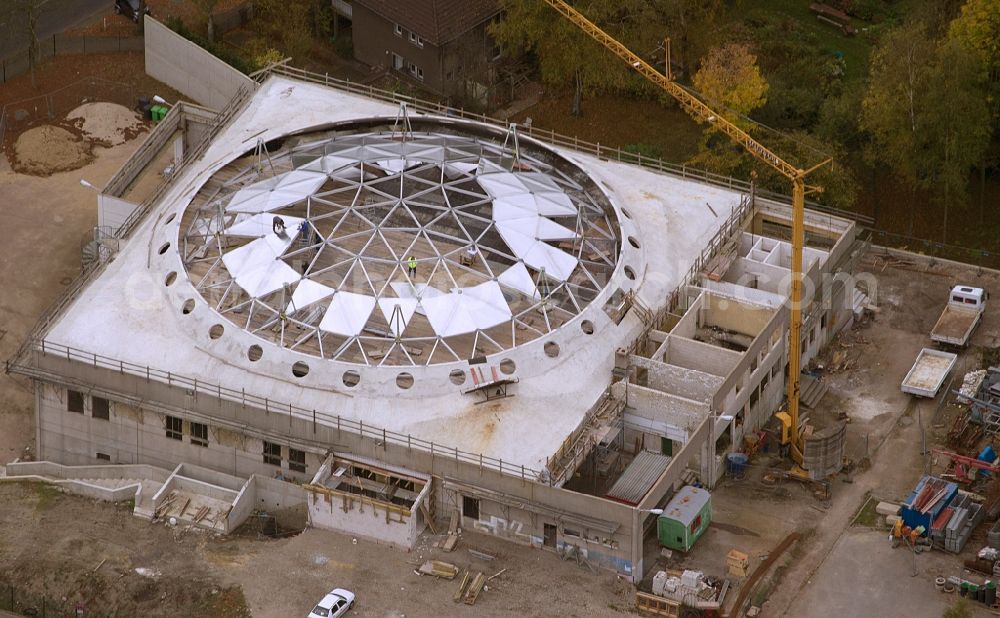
[928,372]
[960,317]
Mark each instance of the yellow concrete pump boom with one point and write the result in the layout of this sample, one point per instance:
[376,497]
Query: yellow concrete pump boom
[703,113]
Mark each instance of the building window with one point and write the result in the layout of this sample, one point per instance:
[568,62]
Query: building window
[296,460]
[420,74]
[272,453]
[398,62]
[695,524]
[100,408]
[104,457]
[822,321]
[175,428]
[470,507]
[74,401]
[199,434]
[416,40]
[397,29]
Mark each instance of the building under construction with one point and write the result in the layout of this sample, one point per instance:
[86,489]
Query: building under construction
[406,311]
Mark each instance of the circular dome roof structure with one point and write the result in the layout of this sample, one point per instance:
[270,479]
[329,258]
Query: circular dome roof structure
[399,248]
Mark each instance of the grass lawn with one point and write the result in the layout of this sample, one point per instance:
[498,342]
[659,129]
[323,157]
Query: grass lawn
[855,49]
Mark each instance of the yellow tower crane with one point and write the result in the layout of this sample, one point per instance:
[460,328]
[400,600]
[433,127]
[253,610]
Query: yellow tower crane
[791,434]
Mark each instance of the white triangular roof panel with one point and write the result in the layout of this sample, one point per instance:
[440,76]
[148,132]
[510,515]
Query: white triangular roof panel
[307,293]
[347,314]
[518,278]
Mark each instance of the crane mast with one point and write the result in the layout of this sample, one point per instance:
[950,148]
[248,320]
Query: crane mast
[791,431]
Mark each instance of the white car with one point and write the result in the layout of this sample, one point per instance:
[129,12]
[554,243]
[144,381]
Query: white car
[334,604]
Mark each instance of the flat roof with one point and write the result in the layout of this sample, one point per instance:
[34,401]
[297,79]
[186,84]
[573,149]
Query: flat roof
[135,309]
[639,477]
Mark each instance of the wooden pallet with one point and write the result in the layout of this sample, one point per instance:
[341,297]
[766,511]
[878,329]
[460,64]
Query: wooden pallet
[657,606]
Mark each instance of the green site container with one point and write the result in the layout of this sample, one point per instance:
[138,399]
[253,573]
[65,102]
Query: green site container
[157,112]
[685,518]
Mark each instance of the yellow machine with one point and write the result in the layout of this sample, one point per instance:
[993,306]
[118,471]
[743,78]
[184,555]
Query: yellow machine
[791,434]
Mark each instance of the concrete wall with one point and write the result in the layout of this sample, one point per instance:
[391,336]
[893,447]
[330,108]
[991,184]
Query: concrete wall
[363,517]
[133,434]
[688,383]
[70,436]
[113,211]
[243,507]
[189,69]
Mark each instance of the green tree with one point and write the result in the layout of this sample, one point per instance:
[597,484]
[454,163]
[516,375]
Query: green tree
[565,55]
[729,77]
[977,29]
[927,112]
[691,26]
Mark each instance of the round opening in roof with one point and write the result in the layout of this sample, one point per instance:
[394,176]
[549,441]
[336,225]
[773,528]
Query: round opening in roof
[388,252]
[551,349]
[216,331]
[170,218]
[629,273]
[507,366]
[404,380]
[632,241]
[163,248]
[170,278]
[255,352]
[587,327]
[457,377]
[351,378]
[626,213]
[300,369]
[188,306]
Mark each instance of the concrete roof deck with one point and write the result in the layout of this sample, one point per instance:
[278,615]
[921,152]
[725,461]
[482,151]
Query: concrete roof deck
[133,310]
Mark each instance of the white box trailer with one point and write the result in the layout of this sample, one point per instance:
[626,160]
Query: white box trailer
[928,372]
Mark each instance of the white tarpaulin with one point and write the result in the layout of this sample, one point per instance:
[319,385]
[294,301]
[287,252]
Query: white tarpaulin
[518,278]
[263,224]
[338,167]
[407,307]
[307,293]
[257,266]
[277,192]
[557,263]
[465,310]
[457,169]
[347,314]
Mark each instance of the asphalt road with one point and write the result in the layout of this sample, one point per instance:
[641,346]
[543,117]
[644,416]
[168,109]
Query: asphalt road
[54,16]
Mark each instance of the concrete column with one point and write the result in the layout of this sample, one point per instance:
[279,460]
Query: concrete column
[637,567]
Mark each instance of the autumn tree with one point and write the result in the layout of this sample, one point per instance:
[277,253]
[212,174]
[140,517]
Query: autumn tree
[691,26]
[207,7]
[291,26]
[977,29]
[730,80]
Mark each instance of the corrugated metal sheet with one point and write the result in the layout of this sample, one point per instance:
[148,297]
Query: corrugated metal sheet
[686,504]
[638,477]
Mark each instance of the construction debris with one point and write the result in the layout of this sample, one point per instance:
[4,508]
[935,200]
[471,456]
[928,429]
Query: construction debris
[737,563]
[444,570]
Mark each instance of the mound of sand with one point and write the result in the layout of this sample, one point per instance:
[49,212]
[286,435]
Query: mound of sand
[47,149]
[107,123]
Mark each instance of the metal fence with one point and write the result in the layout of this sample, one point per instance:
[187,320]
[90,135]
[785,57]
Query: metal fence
[44,108]
[983,258]
[60,44]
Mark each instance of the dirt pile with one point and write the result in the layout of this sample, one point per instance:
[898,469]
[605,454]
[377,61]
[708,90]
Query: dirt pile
[48,149]
[109,124]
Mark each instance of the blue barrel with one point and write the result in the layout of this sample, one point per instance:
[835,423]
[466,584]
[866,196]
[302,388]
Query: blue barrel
[737,463]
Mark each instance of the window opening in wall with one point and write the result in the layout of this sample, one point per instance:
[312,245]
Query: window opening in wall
[397,29]
[175,428]
[296,460]
[666,446]
[199,434]
[104,457]
[398,62]
[272,453]
[822,322]
[568,532]
[74,401]
[100,408]
[549,535]
[470,507]
[696,524]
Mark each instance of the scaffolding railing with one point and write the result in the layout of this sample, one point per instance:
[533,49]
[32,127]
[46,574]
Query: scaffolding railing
[240,396]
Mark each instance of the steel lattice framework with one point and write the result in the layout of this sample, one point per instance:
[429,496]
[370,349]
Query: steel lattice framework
[508,246]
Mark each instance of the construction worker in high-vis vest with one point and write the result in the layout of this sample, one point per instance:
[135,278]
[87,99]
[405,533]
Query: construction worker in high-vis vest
[412,264]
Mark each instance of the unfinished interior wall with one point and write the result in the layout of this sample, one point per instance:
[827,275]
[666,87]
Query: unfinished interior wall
[378,504]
